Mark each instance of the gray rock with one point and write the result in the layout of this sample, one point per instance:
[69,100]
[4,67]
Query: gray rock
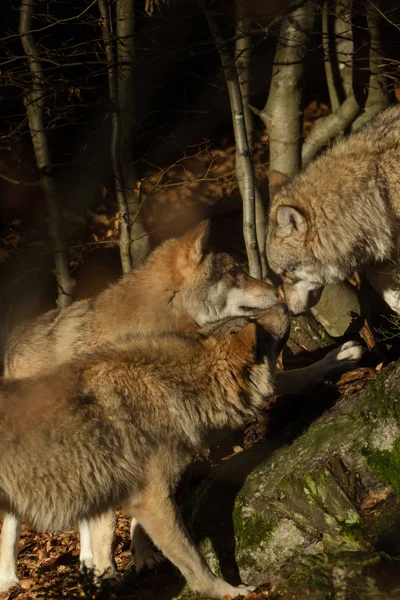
[333,309]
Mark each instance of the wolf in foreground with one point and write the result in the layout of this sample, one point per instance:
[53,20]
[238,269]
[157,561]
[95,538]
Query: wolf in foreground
[341,214]
[183,285]
[115,428]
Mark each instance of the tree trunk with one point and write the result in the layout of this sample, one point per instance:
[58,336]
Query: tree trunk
[343,115]
[244,166]
[282,112]
[34,104]
[125,26]
[243,51]
[377,99]
[119,184]
[318,496]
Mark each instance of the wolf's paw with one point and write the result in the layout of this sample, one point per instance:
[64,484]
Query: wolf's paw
[7,583]
[146,557]
[342,359]
[224,588]
[86,563]
[245,589]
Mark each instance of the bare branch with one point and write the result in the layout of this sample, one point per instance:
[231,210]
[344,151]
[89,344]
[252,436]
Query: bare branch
[18,182]
[328,127]
[34,103]
[124,241]
[244,164]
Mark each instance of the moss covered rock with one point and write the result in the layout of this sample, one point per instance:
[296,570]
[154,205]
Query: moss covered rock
[313,496]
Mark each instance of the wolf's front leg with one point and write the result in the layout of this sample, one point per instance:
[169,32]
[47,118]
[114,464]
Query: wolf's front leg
[86,553]
[9,538]
[337,361]
[102,533]
[155,510]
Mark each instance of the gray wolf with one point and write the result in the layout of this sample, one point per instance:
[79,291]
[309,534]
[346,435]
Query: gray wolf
[183,285]
[115,427]
[340,214]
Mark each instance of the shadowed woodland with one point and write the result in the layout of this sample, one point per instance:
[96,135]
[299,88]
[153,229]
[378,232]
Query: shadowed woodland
[125,123]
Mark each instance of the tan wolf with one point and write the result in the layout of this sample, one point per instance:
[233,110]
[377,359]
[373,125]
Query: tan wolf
[341,214]
[115,428]
[183,284]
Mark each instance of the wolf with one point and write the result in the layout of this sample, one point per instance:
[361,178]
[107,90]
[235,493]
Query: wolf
[183,285]
[115,427]
[339,215]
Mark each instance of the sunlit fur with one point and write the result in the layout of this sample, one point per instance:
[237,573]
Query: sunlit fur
[115,427]
[349,199]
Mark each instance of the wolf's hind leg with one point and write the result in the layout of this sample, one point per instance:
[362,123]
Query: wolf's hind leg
[155,510]
[144,554]
[9,538]
[102,532]
[382,278]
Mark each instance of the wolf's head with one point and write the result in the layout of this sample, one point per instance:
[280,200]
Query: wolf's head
[290,249]
[210,285]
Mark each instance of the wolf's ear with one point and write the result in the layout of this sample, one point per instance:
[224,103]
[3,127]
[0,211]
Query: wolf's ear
[276,181]
[243,344]
[201,237]
[192,248]
[290,222]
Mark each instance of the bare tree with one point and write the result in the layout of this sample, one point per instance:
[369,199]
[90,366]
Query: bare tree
[243,52]
[125,29]
[35,103]
[244,166]
[120,190]
[282,111]
[377,98]
[343,114]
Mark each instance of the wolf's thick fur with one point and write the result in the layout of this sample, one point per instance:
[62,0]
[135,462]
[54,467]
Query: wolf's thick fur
[115,427]
[341,214]
[182,285]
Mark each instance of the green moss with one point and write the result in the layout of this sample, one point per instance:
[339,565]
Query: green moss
[380,400]
[385,464]
[249,531]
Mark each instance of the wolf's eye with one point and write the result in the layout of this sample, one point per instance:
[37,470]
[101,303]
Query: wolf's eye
[289,277]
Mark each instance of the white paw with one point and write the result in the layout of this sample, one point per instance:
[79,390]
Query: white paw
[343,358]
[86,563]
[147,557]
[234,591]
[7,583]
[245,589]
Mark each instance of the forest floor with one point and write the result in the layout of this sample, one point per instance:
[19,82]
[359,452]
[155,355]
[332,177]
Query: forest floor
[49,564]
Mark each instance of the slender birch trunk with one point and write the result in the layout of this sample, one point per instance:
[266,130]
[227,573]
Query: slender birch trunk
[244,165]
[34,104]
[243,52]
